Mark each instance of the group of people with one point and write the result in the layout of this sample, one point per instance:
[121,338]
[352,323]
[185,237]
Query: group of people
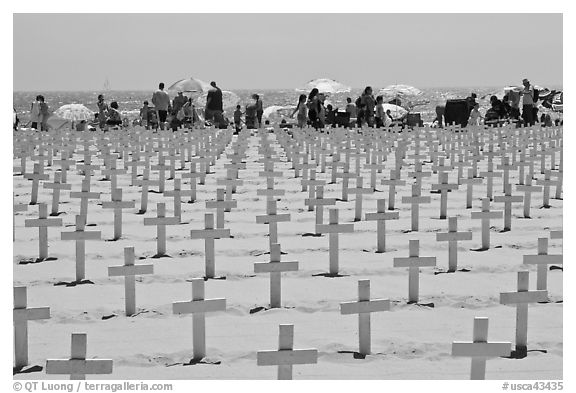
[366,109]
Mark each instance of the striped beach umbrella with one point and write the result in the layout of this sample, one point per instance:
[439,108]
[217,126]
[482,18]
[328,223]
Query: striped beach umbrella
[325,85]
[74,112]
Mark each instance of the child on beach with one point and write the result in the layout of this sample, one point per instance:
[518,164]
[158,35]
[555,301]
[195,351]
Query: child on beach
[475,116]
[301,109]
[114,118]
[145,115]
[238,119]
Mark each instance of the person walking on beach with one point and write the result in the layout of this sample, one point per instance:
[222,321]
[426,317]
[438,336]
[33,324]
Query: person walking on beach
[527,103]
[238,119]
[250,114]
[44,114]
[350,107]
[380,114]
[368,103]
[259,109]
[161,101]
[301,109]
[102,110]
[214,108]
[313,105]
[145,115]
[35,113]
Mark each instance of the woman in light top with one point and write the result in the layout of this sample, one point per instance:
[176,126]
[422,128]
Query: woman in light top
[475,116]
[302,111]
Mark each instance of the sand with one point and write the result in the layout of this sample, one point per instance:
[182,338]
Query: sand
[408,342]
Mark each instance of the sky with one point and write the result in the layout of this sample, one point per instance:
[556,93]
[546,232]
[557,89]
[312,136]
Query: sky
[266,51]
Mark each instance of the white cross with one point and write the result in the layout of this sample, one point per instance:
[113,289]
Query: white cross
[129,270]
[37,175]
[415,200]
[363,307]
[392,183]
[359,191]
[56,187]
[480,349]
[80,236]
[84,195]
[286,356]
[78,366]
[42,223]
[319,202]
[117,204]
[542,260]
[528,189]
[21,315]
[470,181]
[333,229]
[275,267]
[547,182]
[198,307]
[145,183]
[508,199]
[209,234]
[272,218]
[194,177]
[490,175]
[414,262]
[486,215]
[453,237]
[160,221]
[220,205]
[444,187]
[380,217]
[521,299]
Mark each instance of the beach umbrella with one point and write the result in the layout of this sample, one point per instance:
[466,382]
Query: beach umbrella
[409,95]
[277,110]
[325,85]
[188,86]
[397,112]
[74,112]
[229,99]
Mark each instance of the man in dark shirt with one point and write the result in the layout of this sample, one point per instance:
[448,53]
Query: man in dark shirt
[214,108]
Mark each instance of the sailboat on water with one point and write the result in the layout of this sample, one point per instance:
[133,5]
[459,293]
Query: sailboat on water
[106,87]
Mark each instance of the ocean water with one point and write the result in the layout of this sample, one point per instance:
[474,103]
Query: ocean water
[131,101]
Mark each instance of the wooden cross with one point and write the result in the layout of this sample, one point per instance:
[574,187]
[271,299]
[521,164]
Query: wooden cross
[78,366]
[65,164]
[443,187]
[380,217]
[112,172]
[145,183]
[486,215]
[193,176]
[220,205]
[521,299]
[162,168]
[415,200]
[198,307]
[21,315]
[346,176]
[480,349]
[490,175]
[160,221]
[117,204]
[56,187]
[209,234]
[177,194]
[392,183]
[363,307]
[453,237]
[414,262]
[80,236]
[319,202]
[542,260]
[311,185]
[508,199]
[42,223]
[272,218]
[528,189]
[470,181]
[506,167]
[359,191]
[546,183]
[84,195]
[37,175]
[129,270]
[333,229]
[286,356]
[275,267]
